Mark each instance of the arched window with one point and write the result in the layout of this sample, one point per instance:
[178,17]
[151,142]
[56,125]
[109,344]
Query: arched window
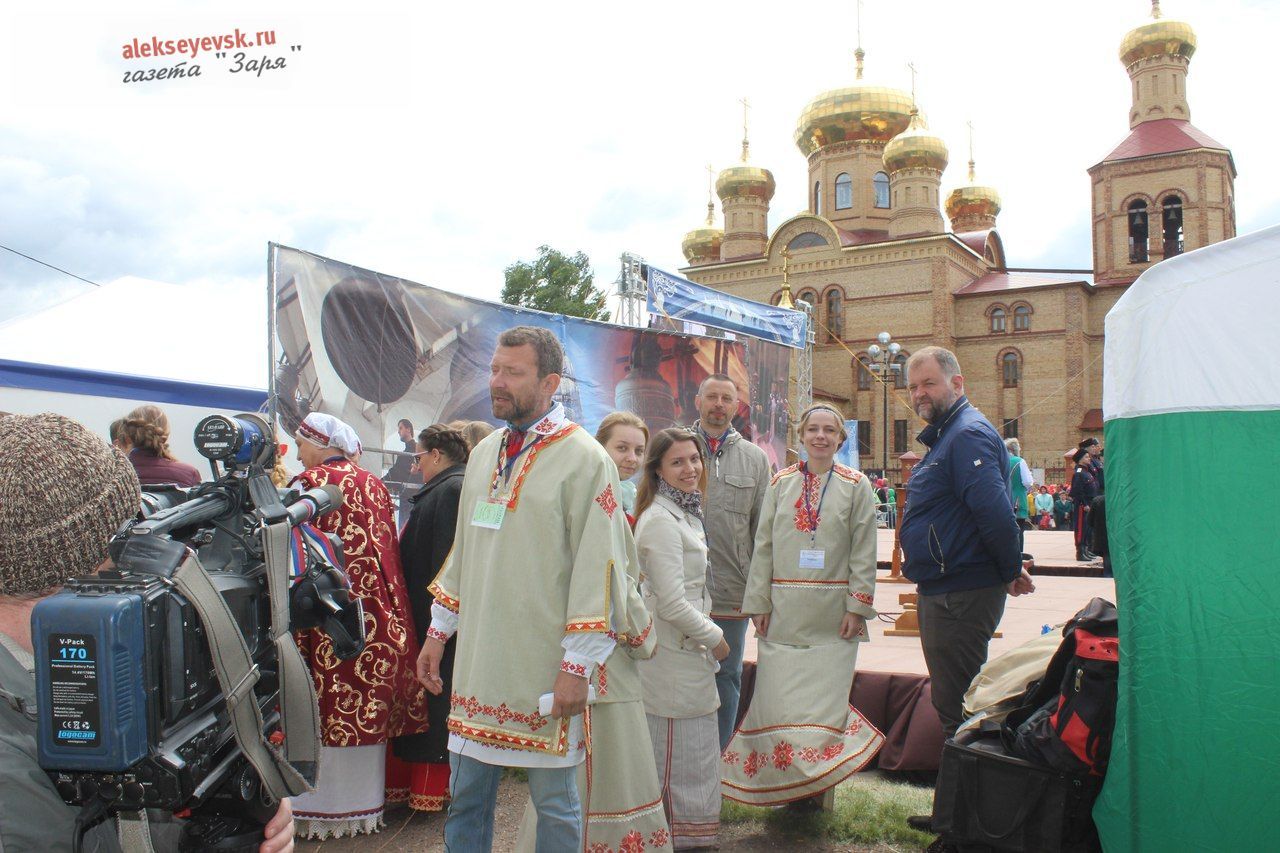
[807,240]
[1172,211]
[1010,369]
[997,320]
[881,185]
[817,197]
[810,297]
[1021,318]
[844,191]
[900,375]
[835,315]
[864,372]
[1138,232]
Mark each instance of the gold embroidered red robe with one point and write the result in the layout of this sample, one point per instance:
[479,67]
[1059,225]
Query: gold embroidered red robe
[374,696]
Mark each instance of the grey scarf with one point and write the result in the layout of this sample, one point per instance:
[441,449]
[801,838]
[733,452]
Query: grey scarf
[690,502]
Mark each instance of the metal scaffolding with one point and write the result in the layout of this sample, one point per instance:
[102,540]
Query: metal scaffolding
[631,292]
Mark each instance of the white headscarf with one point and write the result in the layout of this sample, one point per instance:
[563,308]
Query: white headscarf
[327,431]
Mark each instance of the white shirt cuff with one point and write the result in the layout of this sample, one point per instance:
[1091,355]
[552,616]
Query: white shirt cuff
[583,652]
[444,622]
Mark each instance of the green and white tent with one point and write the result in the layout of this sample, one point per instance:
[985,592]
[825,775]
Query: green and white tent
[1191,403]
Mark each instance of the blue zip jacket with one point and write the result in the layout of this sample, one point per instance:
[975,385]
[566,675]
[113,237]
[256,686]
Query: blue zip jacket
[958,529]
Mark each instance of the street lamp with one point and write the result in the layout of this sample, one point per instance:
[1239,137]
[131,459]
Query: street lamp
[882,357]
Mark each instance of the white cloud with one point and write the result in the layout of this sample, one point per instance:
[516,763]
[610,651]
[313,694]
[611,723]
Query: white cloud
[442,144]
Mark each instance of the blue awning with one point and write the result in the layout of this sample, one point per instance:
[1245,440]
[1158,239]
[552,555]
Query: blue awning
[97,383]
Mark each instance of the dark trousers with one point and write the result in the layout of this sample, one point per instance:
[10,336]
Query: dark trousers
[955,630]
[1082,529]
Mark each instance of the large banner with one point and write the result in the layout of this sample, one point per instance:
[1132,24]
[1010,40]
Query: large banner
[372,349]
[678,298]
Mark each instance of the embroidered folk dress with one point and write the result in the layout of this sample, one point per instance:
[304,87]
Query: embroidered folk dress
[814,560]
[537,583]
[375,696]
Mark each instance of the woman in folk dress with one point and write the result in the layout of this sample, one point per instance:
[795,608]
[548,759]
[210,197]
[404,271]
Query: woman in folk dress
[809,592]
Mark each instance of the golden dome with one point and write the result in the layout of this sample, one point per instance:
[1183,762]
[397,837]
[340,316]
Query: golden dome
[742,180]
[915,148]
[973,200]
[702,244]
[1161,37]
[854,113]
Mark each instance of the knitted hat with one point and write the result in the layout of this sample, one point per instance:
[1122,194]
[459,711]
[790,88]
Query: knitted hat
[1088,442]
[63,493]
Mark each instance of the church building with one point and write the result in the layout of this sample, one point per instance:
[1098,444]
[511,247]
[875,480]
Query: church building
[874,252]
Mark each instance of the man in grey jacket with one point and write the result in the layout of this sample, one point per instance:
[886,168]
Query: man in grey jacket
[737,476]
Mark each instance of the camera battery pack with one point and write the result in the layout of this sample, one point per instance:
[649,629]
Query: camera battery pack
[91,689]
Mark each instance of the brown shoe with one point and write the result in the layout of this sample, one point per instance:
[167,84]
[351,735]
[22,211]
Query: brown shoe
[921,822]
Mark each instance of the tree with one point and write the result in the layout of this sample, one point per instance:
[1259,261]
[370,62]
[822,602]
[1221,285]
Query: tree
[557,284]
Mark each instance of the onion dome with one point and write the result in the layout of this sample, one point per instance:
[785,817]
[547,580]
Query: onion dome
[702,245]
[1160,37]
[743,181]
[858,113]
[915,148]
[973,200]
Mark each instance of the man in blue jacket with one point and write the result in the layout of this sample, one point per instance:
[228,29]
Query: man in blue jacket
[959,535]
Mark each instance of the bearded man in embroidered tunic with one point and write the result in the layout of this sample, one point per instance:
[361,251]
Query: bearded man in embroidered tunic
[537,589]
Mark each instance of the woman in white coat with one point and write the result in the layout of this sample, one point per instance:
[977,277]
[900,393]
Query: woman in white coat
[680,697]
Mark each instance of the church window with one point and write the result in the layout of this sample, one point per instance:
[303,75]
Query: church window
[1172,217]
[881,185]
[817,197]
[810,297]
[1177,90]
[899,436]
[997,320]
[1138,232]
[900,375]
[910,195]
[1010,427]
[864,372]
[1022,318]
[844,191]
[835,316]
[864,438]
[1010,369]
[807,240]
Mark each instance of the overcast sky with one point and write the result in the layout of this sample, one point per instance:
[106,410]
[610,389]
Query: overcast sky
[442,142]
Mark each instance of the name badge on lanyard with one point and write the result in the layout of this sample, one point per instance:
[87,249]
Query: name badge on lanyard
[812,558]
[489,513]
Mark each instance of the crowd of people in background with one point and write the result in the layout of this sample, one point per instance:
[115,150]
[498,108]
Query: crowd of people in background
[621,572]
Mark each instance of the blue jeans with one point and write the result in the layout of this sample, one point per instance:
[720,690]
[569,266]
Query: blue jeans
[729,678]
[473,791]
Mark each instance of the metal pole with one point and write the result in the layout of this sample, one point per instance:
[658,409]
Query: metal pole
[271,340]
[884,466]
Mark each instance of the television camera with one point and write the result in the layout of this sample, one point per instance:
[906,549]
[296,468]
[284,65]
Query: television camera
[168,682]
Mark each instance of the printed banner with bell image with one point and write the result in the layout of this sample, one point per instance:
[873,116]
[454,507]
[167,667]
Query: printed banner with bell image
[372,349]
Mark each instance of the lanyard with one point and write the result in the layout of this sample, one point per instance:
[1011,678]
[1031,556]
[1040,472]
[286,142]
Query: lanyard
[810,514]
[505,466]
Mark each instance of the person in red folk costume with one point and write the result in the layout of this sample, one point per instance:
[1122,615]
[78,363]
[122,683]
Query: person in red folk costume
[373,697]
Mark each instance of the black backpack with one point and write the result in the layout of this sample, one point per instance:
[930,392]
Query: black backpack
[1065,719]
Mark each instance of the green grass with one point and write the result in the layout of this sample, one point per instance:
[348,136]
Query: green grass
[868,810]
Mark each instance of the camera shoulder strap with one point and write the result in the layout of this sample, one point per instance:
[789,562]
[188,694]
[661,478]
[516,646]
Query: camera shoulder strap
[299,710]
[237,675]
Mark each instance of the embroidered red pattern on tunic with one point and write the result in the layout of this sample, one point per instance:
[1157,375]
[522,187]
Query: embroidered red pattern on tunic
[472,706]
[606,500]
[811,754]
[783,754]
[731,757]
[586,626]
[437,634]
[573,668]
[864,597]
[447,601]
[603,690]
[807,503]
[634,642]
[659,838]
[525,466]
[755,762]
[632,842]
